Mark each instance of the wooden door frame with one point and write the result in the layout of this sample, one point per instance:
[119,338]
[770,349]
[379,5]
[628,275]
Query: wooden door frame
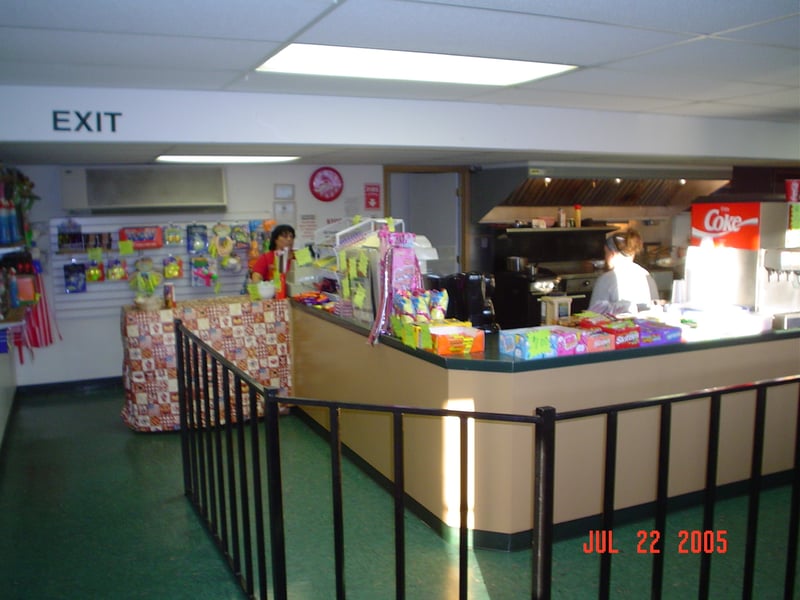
[463,173]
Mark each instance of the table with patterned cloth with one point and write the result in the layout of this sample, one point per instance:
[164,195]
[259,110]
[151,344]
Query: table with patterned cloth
[253,335]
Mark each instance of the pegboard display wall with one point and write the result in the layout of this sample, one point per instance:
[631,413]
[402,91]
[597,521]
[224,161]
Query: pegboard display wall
[103,298]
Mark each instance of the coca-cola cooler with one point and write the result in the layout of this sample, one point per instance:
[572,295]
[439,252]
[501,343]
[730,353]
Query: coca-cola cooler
[743,254]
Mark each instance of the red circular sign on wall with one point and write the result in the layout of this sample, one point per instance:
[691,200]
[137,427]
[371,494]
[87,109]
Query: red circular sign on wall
[326,184]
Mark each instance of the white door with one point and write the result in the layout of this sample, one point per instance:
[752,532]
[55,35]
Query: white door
[429,205]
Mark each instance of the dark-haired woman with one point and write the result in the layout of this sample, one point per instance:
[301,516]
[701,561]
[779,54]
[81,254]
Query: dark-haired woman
[281,240]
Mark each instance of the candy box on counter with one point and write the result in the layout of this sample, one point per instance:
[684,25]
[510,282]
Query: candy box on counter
[529,343]
[653,333]
[456,339]
[594,340]
[625,332]
[590,320]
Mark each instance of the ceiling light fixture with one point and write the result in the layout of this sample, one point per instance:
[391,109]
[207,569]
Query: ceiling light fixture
[206,159]
[370,63]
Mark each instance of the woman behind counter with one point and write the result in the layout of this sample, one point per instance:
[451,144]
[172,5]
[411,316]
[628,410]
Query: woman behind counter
[626,287]
[281,240]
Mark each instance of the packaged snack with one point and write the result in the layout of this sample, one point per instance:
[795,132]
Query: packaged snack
[625,332]
[439,303]
[653,333]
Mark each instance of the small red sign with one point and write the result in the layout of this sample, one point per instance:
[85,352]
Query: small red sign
[372,196]
[732,225]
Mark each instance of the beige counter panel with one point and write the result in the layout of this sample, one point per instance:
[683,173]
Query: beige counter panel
[334,363]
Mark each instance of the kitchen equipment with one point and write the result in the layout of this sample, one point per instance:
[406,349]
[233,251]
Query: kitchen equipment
[470,299]
[555,308]
[516,263]
[517,295]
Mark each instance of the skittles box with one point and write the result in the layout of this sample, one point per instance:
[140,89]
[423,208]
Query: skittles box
[625,332]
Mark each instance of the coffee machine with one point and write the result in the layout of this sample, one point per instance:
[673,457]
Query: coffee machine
[470,299]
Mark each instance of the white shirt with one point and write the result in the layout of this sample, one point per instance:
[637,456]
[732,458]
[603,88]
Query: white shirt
[621,289]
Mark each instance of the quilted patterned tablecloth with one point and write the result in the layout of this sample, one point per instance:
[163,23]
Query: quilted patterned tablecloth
[254,335]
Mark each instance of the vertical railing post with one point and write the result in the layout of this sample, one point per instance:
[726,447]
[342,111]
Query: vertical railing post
[662,490]
[336,494]
[794,514]
[544,481]
[710,499]
[274,491]
[754,493]
[183,402]
[463,530]
[609,491]
[399,506]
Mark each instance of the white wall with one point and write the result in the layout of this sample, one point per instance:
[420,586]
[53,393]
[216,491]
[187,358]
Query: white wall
[91,348]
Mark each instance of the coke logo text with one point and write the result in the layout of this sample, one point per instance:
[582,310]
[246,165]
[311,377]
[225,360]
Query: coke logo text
[717,221]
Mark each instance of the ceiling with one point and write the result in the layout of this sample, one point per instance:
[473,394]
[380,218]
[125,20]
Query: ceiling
[735,59]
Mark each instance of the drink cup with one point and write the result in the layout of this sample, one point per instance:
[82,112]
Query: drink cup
[792,190]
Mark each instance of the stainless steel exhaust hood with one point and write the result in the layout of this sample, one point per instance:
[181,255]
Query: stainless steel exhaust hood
[673,193]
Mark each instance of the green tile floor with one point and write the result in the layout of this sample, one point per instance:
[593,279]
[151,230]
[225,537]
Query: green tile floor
[90,509]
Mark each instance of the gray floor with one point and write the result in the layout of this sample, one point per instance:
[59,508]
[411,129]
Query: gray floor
[90,509]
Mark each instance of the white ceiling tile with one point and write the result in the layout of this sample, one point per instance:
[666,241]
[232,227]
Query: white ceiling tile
[236,19]
[721,59]
[71,48]
[785,32]
[675,15]
[453,30]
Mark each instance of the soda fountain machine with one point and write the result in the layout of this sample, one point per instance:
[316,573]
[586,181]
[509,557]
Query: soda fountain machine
[743,254]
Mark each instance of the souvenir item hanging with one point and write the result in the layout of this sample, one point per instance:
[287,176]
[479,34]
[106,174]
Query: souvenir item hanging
[116,269]
[74,277]
[173,235]
[196,239]
[95,272]
[173,267]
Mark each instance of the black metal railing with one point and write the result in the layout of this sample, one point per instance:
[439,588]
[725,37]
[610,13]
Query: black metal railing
[230,431]
[709,492]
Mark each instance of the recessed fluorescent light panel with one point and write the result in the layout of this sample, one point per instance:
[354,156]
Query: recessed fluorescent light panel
[211,159]
[339,61]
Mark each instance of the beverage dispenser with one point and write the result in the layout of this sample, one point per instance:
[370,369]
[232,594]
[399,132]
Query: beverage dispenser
[743,254]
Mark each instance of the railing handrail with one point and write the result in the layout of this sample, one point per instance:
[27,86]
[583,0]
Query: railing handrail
[204,418]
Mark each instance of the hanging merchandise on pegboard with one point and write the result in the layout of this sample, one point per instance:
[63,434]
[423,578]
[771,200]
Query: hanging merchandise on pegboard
[199,259]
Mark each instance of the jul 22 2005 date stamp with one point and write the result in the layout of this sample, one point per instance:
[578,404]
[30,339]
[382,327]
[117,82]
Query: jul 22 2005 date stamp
[688,541]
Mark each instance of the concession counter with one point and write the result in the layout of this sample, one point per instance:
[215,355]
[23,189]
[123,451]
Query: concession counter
[328,349]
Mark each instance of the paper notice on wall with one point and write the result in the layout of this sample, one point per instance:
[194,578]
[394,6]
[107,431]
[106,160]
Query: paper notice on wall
[351,207]
[307,226]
